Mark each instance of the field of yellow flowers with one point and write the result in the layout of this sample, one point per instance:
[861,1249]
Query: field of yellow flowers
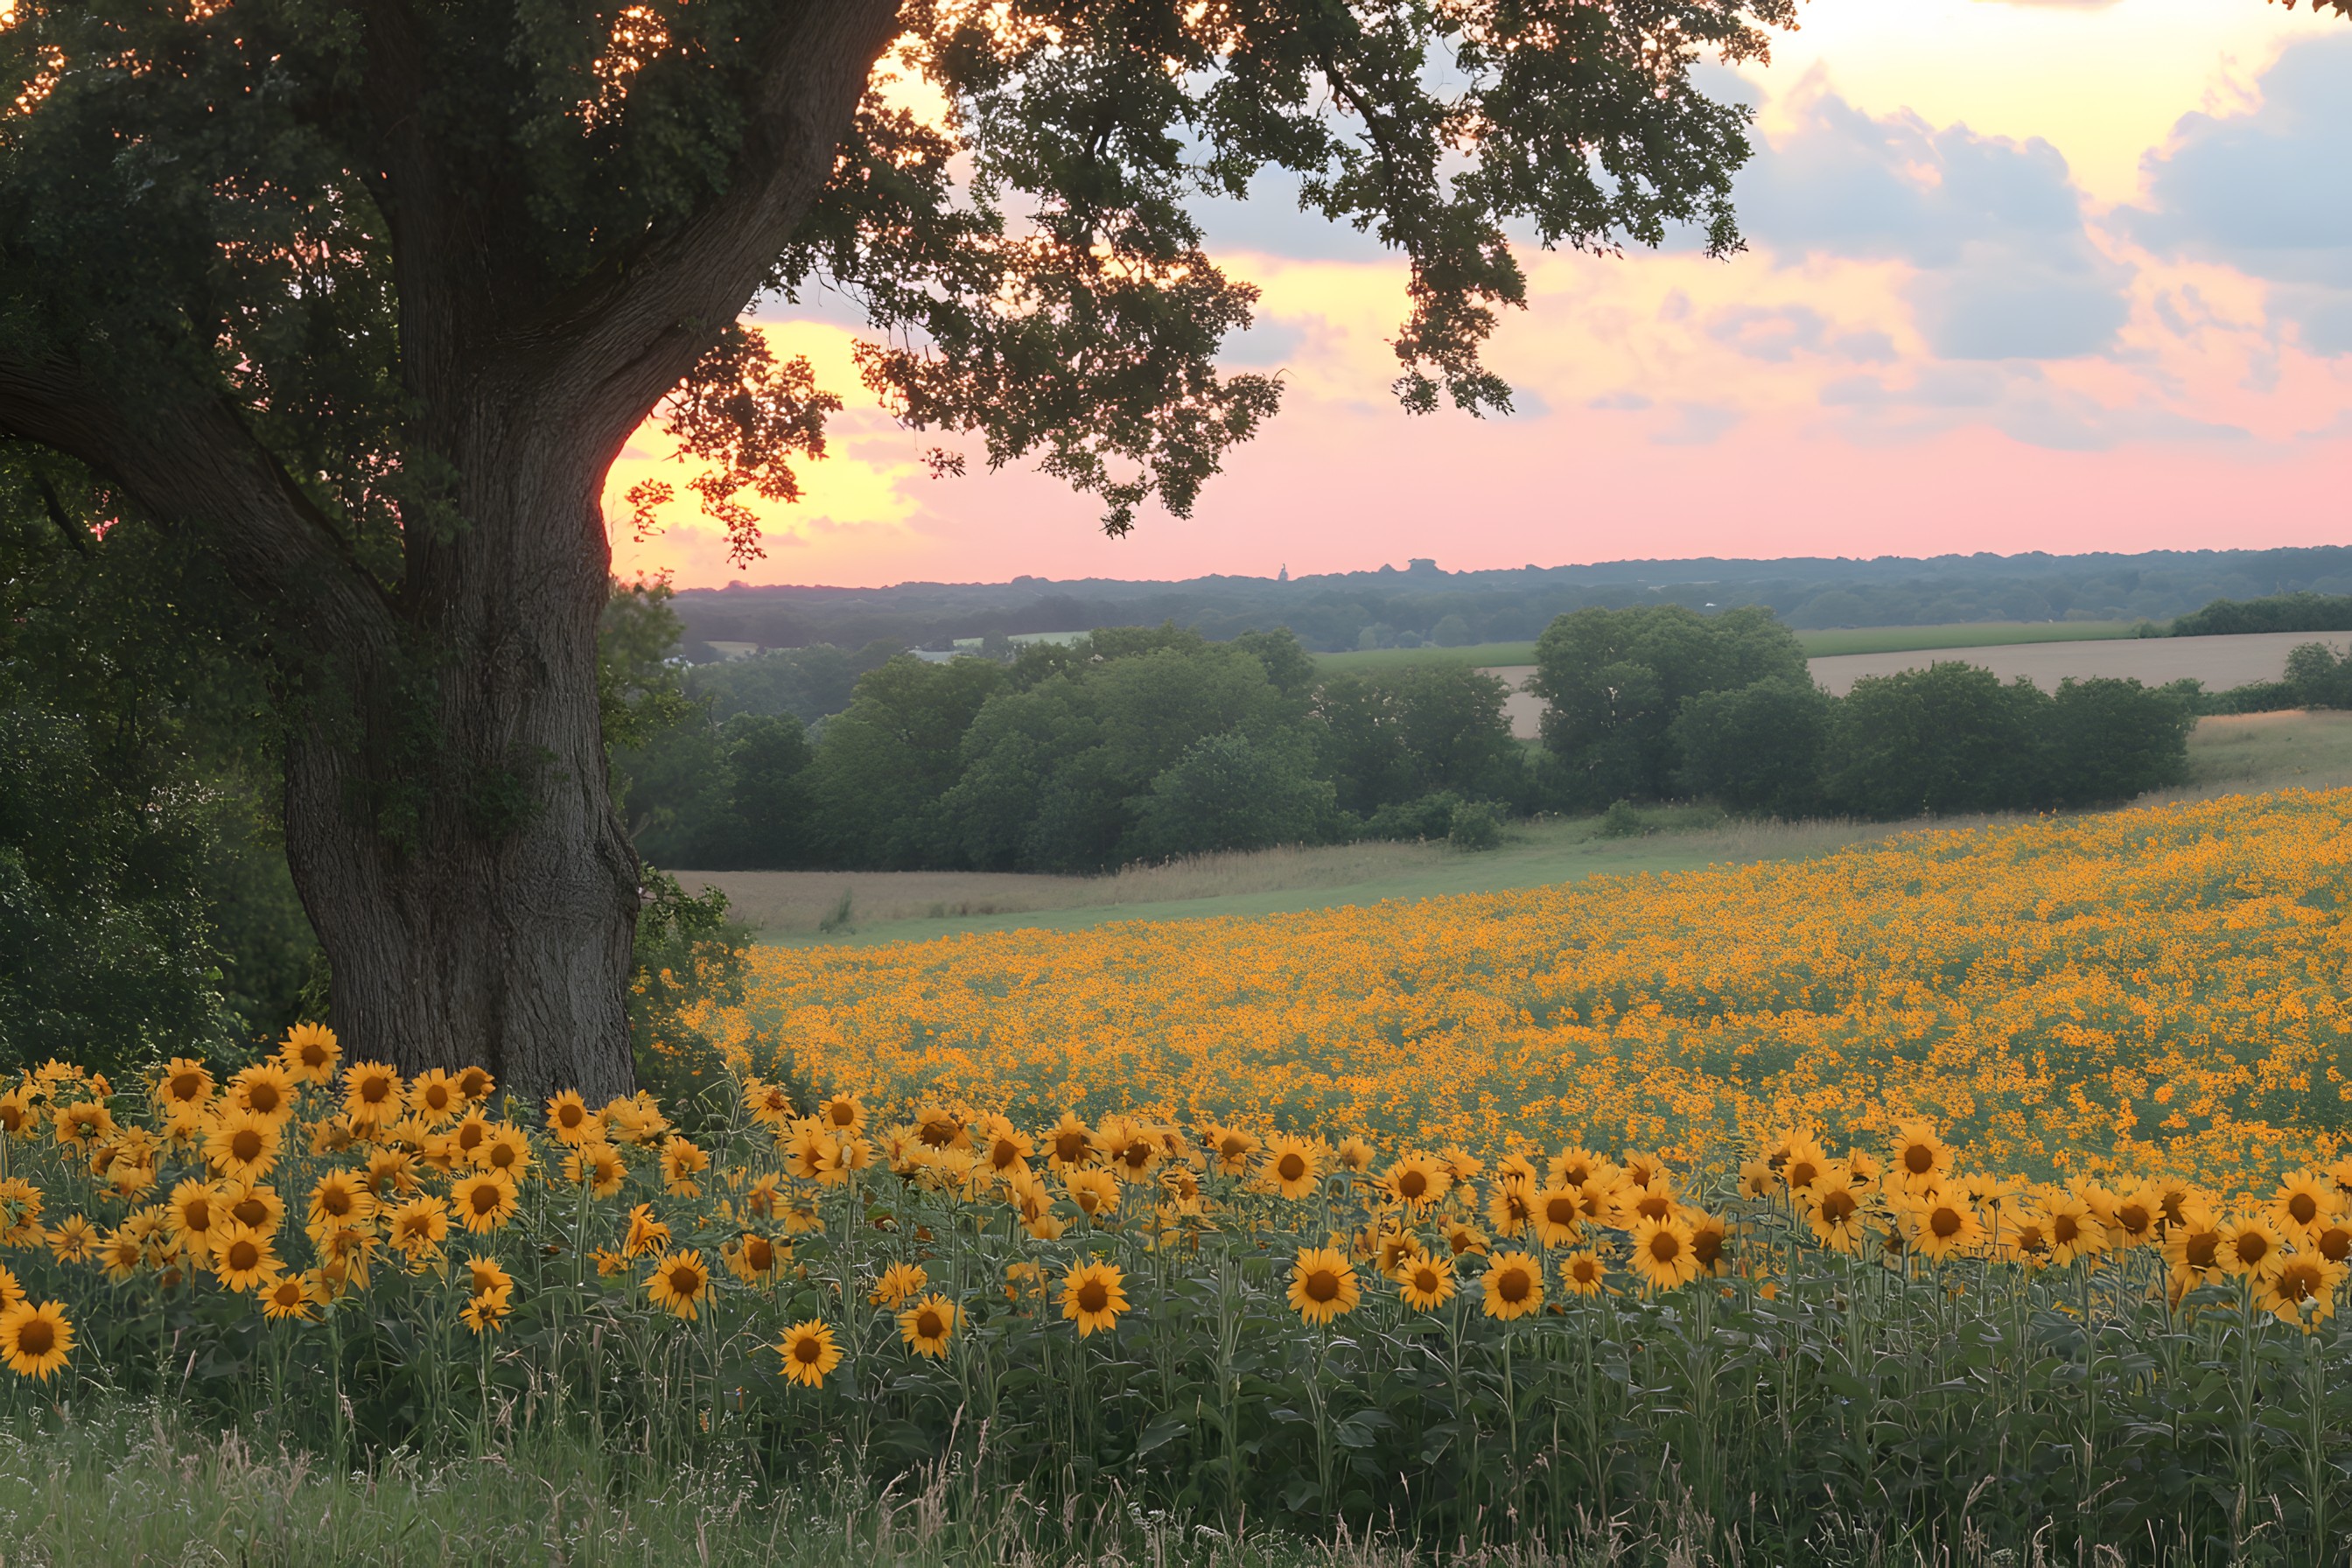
[2080,994]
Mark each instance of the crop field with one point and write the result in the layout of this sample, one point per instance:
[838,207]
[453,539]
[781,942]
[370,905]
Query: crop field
[2221,662]
[2071,995]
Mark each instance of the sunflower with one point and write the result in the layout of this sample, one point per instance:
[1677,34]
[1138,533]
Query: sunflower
[484,1202]
[2192,1249]
[35,1341]
[646,1233]
[1514,1285]
[2028,1241]
[1427,1283]
[308,1053]
[1938,1227]
[2303,1289]
[10,1291]
[1003,1148]
[771,1104]
[1834,1210]
[753,1257]
[293,1296]
[1710,1235]
[2252,1248]
[81,1125]
[347,1256]
[1511,1204]
[266,1089]
[487,1314]
[1651,1200]
[504,1148]
[2173,1200]
[1233,1149]
[898,1283]
[242,1257]
[1069,1143]
[1583,1273]
[1130,1147]
[1095,1192]
[488,1277]
[191,1215]
[679,1281]
[1803,1164]
[1292,1164]
[469,1135]
[253,1203]
[926,1324]
[809,1353]
[186,1084]
[2304,1199]
[243,1145]
[435,1096]
[598,1167]
[1093,1296]
[1461,1236]
[682,1164]
[568,1118]
[17,1118]
[73,1239]
[1572,1167]
[2075,1231]
[340,1198]
[1392,1249]
[2332,1239]
[419,1227]
[1662,1255]
[1917,1158]
[2134,1218]
[1758,1179]
[121,1254]
[372,1092]
[1354,1155]
[843,1153]
[1322,1285]
[1416,1182]
[392,1172]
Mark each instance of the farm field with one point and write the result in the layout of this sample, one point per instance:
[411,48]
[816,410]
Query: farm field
[2163,984]
[1833,640]
[2226,755]
[2220,662]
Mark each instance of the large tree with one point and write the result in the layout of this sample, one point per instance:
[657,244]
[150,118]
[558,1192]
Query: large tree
[362,297]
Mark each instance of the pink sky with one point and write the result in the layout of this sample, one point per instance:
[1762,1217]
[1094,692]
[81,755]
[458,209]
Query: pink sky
[1993,300]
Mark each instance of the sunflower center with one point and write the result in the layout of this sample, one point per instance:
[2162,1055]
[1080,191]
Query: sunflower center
[2334,1243]
[1425,1280]
[685,1281]
[1093,1296]
[1837,1207]
[1560,1211]
[2133,1217]
[37,1337]
[1069,1148]
[1918,1159]
[1412,1183]
[486,1199]
[261,1095]
[2303,1207]
[928,1325]
[246,1145]
[243,1254]
[1945,1222]
[1584,1270]
[1138,1155]
[2253,1248]
[1322,1285]
[759,1254]
[374,1090]
[314,1056]
[1233,1146]
[571,1115]
[1665,1246]
[186,1085]
[1003,1153]
[807,1351]
[2298,1282]
[251,1211]
[1290,1168]
[436,1098]
[335,1201]
[2200,1250]
[1802,1172]
[1514,1285]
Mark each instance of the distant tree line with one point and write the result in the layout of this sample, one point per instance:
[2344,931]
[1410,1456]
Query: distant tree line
[1419,603]
[2279,613]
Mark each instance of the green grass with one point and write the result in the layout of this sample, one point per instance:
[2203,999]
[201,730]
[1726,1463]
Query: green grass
[1968,633]
[1817,644]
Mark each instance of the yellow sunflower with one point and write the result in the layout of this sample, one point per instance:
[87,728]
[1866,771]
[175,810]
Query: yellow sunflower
[2074,1230]
[372,1092]
[597,1167]
[1003,1148]
[308,1053]
[1322,1285]
[568,1118]
[1416,1182]
[1710,1235]
[419,1227]
[926,1324]
[1917,1158]
[264,1089]
[242,1257]
[2332,1239]
[487,1276]
[1070,1144]
[191,1216]
[646,1233]
[682,1164]
[2136,1218]
[121,1254]
[243,1144]
[435,1096]
[2192,1249]
[1583,1273]
[84,1124]
[295,1296]
[1572,1167]
[753,1257]
[74,1239]
[503,1147]
[35,1341]
[1095,1192]
[679,1283]
[484,1202]
[1514,1285]
[2252,1249]
[1558,1215]
[1511,1204]
[1662,1254]
[487,1314]
[771,1104]
[1939,1227]
[340,1198]
[1803,1163]
[1355,1156]
[898,1283]
[2304,1199]
[2302,1289]
[1093,1296]
[809,1353]
[1834,1210]
[184,1084]
[1292,1164]
[1427,1283]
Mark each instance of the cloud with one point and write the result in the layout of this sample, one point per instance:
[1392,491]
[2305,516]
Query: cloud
[1993,228]
[1778,334]
[2017,399]
[2268,192]
[1701,425]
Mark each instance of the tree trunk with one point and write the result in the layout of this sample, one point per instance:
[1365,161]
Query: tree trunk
[448,822]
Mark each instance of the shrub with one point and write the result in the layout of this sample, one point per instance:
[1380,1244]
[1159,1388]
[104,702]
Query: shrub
[1475,827]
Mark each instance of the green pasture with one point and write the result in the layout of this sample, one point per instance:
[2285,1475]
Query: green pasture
[1817,644]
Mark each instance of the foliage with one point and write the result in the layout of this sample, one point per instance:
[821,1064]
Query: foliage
[2298,611]
[1755,748]
[1845,1352]
[2156,985]
[1475,827]
[882,767]
[1614,681]
[2112,740]
[1952,737]
[688,958]
[1231,792]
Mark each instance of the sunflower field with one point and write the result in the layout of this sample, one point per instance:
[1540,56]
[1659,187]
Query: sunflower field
[2157,987]
[1835,1349]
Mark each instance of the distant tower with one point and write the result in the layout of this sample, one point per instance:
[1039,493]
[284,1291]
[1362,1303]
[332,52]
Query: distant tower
[1283,576]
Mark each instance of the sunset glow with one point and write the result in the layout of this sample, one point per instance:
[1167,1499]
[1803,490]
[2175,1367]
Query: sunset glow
[2057,277]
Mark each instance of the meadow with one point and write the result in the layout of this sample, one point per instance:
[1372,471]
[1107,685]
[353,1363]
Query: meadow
[1817,642]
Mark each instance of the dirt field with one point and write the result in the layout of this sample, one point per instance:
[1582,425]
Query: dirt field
[2219,662]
